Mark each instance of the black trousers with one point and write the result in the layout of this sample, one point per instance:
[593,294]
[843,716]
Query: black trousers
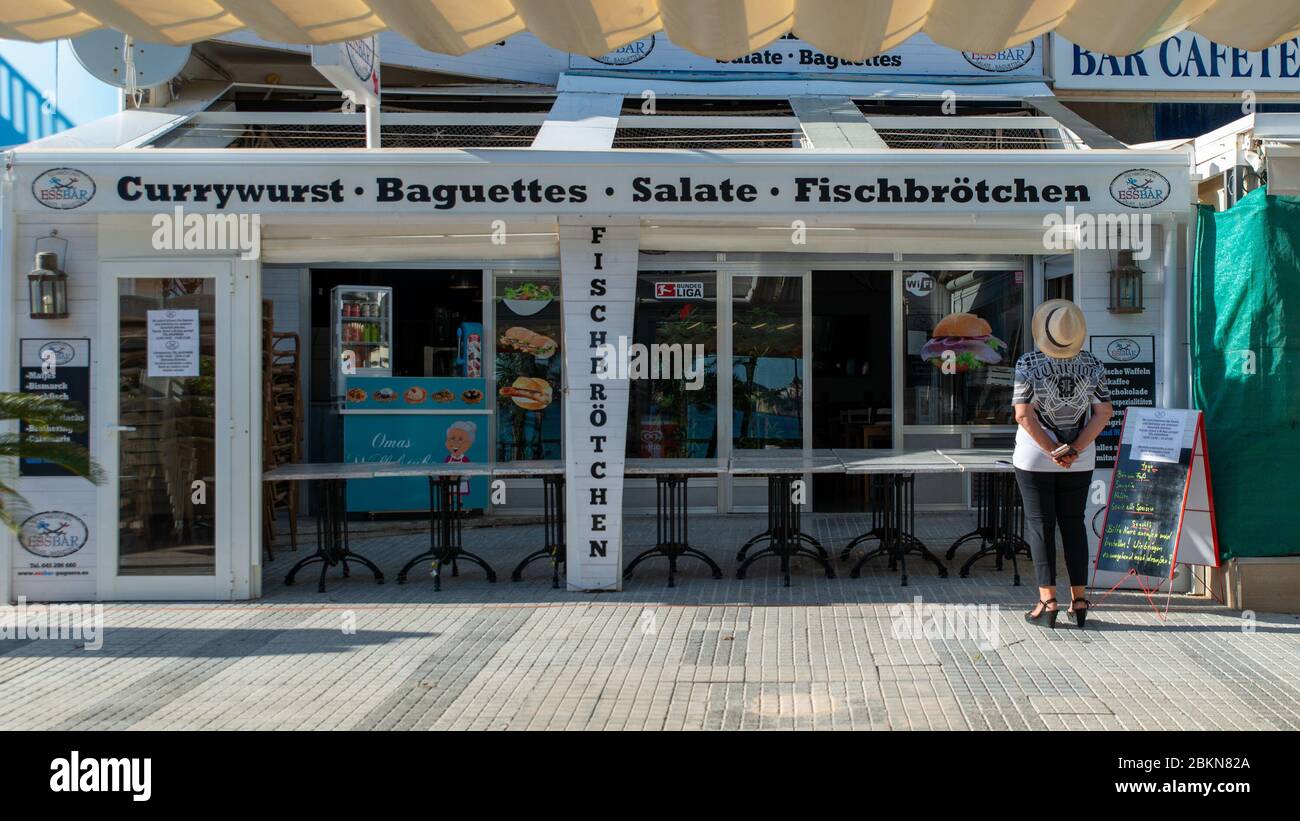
[1055,500]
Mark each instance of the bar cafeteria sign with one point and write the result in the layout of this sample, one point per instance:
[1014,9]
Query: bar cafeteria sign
[1184,62]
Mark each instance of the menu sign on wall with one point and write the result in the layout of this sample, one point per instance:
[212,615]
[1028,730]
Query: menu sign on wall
[598,261]
[918,55]
[1161,508]
[1131,378]
[57,369]
[173,345]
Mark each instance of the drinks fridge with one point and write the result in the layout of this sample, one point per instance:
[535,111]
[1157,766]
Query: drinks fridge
[363,331]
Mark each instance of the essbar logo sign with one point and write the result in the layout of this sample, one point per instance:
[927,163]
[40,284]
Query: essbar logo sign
[63,188]
[1140,188]
[633,52]
[1009,59]
[53,534]
[679,290]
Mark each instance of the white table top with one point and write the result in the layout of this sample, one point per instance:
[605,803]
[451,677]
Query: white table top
[526,468]
[981,460]
[863,461]
[673,467]
[773,462]
[388,470]
[310,472]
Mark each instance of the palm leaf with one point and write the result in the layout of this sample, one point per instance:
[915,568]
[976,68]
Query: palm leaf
[73,457]
[13,507]
[36,410]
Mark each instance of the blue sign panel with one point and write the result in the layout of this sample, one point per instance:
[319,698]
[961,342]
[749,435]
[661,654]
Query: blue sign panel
[413,439]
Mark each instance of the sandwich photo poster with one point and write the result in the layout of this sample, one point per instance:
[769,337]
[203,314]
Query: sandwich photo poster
[963,335]
[528,361]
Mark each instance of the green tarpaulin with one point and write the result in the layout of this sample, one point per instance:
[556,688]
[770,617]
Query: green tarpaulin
[1246,369]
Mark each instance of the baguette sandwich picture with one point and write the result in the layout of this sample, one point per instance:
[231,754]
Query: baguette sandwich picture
[529,393]
[530,342]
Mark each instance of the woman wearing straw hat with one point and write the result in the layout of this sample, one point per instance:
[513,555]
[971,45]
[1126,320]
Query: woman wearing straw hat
[1061,404]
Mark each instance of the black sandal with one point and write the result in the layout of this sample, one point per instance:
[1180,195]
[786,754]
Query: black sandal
[1079,615]
[1037,619]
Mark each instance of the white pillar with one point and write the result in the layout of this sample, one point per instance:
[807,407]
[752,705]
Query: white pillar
[1169,359]
[598,262]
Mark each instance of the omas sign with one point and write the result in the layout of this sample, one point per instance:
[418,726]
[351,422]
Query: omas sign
[1185,62]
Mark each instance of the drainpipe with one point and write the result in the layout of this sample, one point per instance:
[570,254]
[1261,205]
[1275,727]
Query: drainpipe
[1169,314]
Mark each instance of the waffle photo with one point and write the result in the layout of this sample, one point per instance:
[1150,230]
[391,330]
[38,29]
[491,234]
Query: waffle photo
[915,367]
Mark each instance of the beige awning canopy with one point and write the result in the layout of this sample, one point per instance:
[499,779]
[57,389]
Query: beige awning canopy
[720,29]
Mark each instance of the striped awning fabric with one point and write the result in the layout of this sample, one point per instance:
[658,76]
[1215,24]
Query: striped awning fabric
[720,29]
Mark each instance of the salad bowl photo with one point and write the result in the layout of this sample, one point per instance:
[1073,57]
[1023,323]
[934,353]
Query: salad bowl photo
[528,298]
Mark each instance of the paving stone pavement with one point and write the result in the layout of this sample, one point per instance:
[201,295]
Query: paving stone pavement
[823,653]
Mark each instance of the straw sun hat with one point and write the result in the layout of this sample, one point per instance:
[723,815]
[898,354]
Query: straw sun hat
[1059,328]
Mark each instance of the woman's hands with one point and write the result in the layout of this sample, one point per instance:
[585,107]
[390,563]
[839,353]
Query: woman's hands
[1068,458]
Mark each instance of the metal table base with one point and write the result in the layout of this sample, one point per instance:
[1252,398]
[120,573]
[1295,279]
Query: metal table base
[785,536]
[553,544]
[332,536]
[896,526]
[671,541]
[775,489]
[445,533]
[1002,513]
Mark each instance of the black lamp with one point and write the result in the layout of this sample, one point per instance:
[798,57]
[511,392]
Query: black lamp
[1126,286]
[48,288]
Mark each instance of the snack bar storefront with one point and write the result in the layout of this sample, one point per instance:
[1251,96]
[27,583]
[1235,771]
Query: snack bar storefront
[449,304]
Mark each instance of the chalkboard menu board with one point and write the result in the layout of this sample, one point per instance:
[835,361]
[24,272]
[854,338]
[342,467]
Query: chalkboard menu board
[58,369]
[1161,459]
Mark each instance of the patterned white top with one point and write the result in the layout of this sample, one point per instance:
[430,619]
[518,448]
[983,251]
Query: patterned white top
[1063,392]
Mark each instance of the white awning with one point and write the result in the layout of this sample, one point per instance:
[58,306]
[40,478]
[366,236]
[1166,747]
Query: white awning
[721,29]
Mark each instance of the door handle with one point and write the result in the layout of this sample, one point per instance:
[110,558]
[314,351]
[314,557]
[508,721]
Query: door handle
[120,429]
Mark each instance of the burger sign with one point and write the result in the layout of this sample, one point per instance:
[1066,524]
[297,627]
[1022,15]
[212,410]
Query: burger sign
[961,343]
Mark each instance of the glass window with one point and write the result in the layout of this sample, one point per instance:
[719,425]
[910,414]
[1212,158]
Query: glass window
[528,362]
[963,332]
[676,320]
[767,361]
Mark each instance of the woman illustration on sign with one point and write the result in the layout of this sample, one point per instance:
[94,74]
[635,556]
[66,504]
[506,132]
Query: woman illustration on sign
[460,438]
[1061,405]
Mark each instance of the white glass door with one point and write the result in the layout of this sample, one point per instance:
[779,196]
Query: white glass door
[170,431]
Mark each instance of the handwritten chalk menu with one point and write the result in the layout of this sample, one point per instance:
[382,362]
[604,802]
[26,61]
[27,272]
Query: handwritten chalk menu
[173,342]
[57,369]
[1161,508]
[1131,379]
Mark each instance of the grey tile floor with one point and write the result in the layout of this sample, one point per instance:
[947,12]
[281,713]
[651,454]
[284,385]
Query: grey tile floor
[841,653]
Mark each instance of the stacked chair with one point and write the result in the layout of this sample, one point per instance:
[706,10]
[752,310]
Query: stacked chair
[282,424]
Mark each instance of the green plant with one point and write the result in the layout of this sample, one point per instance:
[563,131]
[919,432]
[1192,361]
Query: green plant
[37,412]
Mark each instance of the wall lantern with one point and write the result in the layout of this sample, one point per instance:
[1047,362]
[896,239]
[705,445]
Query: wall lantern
[48,287]
[1126,286]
